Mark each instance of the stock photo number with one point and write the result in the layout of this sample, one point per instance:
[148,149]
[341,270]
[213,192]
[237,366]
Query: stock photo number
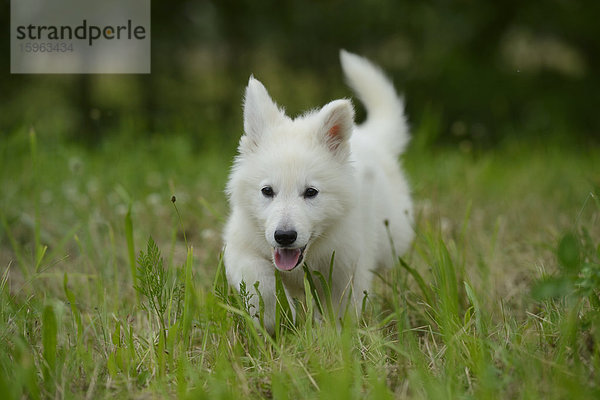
[46,47]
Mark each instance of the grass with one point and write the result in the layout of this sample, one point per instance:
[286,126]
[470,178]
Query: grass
[498,297]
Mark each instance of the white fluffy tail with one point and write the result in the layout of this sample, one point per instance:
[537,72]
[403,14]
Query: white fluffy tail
[385,109]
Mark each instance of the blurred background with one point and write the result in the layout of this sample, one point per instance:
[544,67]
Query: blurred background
[504,102]
[473,73]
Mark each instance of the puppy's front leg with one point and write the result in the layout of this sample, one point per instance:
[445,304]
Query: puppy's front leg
[252,269]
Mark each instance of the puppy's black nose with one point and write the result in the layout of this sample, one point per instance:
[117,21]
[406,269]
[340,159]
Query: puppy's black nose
[285,238]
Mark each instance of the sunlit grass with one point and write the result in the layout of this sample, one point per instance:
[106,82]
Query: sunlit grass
[498,297]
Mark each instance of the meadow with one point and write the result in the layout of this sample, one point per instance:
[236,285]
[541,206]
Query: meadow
[112,285]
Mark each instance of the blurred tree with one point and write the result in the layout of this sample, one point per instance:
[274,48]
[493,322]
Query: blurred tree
[483,70]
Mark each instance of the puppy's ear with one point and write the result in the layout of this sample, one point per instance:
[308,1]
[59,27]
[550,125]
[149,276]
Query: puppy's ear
[260,111]
[337,121]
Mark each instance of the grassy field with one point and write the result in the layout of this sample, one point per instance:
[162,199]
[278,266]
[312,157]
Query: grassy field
[497,299]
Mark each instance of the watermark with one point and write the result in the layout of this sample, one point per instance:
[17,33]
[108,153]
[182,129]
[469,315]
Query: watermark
[80,36]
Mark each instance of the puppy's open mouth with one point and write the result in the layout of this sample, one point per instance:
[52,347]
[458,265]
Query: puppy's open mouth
[287,259]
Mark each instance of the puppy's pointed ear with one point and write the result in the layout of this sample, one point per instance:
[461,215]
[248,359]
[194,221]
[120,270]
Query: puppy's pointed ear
[260,111]
[337,121]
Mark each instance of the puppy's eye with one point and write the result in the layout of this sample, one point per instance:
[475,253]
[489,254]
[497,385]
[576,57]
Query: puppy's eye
[310,192]
[267,191]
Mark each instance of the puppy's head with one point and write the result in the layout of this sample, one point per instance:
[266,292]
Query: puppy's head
[292,177]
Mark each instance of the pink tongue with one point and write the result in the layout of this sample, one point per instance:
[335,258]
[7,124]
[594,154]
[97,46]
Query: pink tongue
[286,259]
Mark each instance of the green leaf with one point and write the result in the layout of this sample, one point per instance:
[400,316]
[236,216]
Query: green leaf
[327,294]
[160,355]
[261,304]
[551,287]
[568,253]
[313,289]
[425,290]
[16,247]
[40,253]
[188,294]
[74,310]
[49,333]
[283,312]
[111,365]
[479,322]
[220,284]
[172,336]
[310,305]
[130,245]
[116,336]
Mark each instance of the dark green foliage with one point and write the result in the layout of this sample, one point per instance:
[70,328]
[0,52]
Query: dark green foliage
[579,274]
[152,278]
[158,287]
[130,245]
[588,281]
[49,344]
[482,71]
[568,253]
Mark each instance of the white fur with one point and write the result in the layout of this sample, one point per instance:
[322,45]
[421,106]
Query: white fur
[355,170]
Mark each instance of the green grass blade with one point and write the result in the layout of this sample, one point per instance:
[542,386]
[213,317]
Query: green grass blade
[252,327]
[130,245]
[23,265]
[74,310]
[59,248]
[313,289]
[38,248]
[40,252]
[283,312]
[220,285]
[188,309]
[425,290]
[261,304]
[327,292]
[49,343]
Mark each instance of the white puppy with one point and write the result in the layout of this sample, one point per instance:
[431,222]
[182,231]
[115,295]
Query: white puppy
[303,188]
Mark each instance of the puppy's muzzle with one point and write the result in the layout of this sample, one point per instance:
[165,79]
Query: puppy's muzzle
[285,238]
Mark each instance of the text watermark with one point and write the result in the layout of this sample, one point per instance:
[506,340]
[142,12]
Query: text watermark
[80,36]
